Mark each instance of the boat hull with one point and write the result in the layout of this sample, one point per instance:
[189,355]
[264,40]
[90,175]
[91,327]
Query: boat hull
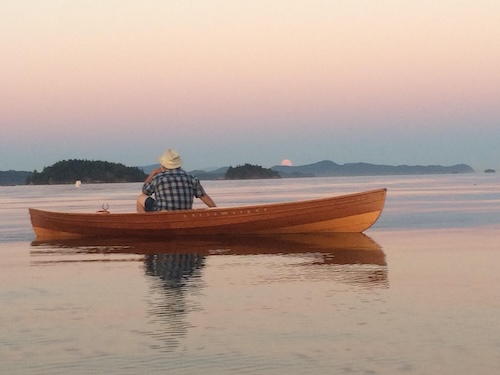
[347,213]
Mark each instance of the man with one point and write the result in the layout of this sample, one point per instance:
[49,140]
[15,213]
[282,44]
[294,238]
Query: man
[173,188]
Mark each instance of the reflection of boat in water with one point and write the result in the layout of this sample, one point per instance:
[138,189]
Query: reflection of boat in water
[334,248]
[352,258]
[175,271]
[165,258]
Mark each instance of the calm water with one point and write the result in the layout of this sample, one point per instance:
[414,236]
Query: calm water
[418,294]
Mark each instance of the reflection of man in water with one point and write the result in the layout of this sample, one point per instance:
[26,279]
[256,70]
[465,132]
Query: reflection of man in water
[172,275]
[173,269]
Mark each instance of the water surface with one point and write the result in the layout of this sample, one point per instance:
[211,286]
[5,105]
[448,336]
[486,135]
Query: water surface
[417,294]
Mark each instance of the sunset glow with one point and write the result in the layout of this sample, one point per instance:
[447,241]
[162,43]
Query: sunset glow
[381,82]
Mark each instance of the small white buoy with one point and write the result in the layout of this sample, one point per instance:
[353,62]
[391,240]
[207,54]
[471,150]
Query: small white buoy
[78,183]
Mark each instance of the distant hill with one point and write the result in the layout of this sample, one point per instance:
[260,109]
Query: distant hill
[216,174]
[328,168]
[8,178]
[250,172]
[323,168]
[87,171]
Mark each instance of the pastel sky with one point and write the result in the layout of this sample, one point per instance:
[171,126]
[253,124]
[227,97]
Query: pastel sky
[227,82]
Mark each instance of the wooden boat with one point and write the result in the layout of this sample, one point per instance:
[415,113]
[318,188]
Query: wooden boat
[347,213]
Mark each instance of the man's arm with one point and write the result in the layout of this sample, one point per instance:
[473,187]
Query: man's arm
[153,173]
[207,200]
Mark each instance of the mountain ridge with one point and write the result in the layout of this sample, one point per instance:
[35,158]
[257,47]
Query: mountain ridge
[328,168]
[324,168]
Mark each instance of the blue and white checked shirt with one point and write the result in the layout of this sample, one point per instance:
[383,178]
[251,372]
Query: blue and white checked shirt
[174,189]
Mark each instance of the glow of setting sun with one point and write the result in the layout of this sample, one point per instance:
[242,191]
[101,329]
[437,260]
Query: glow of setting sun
[286,162]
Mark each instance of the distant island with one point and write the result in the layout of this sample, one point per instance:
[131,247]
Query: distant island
[249,171]
[85,171]
[10,177]
[328,168]
[69,171]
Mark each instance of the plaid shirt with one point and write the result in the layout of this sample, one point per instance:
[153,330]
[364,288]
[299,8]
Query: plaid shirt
[174,189]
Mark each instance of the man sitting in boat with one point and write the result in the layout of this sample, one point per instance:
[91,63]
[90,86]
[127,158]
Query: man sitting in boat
[173,188]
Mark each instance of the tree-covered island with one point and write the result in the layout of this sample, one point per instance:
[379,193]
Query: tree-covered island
[86,171]
[249,171]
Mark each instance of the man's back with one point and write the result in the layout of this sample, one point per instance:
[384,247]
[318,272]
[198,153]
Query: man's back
[174,189]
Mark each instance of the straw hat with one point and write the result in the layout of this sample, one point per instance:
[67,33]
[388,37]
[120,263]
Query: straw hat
[170,159]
